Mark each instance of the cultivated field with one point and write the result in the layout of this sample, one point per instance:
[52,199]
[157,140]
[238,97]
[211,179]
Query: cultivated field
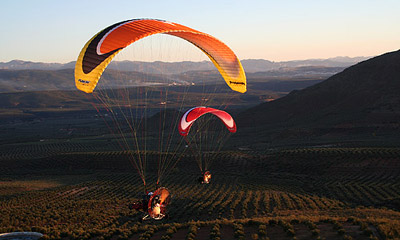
[75,190]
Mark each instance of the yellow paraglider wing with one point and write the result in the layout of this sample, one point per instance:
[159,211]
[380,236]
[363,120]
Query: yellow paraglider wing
[101,49]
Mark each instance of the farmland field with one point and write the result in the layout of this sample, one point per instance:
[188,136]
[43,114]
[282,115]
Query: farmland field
[76,190]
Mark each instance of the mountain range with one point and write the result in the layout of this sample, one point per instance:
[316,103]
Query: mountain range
[20,75]
[250,65]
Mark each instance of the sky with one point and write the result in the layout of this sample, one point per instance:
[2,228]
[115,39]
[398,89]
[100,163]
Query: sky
[56,31]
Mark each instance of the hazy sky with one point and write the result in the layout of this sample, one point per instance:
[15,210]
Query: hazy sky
[56,30]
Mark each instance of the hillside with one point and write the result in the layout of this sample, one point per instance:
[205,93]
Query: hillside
[362,96]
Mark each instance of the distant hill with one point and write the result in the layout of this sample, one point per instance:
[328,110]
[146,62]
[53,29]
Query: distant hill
[250,65]
[363,99]
[25,65]
[260,65]
[35,80]
[45,80]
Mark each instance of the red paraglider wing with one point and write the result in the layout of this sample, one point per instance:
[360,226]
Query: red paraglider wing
[193,114]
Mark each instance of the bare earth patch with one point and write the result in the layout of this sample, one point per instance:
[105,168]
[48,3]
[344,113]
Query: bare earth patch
[13,187]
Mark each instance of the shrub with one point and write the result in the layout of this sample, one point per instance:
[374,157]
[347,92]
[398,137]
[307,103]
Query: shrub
[262,230]
[347,237]
[341,231]
[215,232]
[367,232]
[272,222]
[254,236]
[295,221]
[315,232]
[290,232]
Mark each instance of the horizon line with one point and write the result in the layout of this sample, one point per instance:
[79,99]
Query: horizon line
[246,59]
